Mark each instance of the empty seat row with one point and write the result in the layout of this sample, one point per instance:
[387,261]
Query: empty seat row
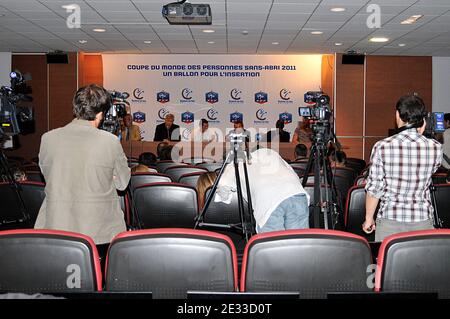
[170,262]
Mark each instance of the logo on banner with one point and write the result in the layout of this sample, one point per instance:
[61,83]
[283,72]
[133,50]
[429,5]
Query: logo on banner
[162,114]
[138,96]
[261,97]
[236,117]
[212,97]
[186,135]
[139,117]
[187,117]
[286,117]
[261,117]
[235,95]
[212,115]
[186,93]
[285,97]
[162,97]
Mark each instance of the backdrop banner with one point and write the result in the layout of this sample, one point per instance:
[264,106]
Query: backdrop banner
[257,89]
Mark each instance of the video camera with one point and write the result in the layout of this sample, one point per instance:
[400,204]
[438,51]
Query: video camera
[320,111]
[434,124]
[16,120]
[118,109]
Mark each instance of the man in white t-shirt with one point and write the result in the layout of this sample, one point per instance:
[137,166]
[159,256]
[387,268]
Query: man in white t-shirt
[278,198]
[203,133]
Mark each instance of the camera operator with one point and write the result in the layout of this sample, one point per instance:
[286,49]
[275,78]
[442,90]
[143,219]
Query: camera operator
[303,133]
[400,174]
[83,166]
[130,131]
[446,134]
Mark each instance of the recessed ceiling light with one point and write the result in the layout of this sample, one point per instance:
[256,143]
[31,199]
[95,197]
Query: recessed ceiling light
[148,42]
[245,32]
[275,43]
[82,41]
[208,31]
[99,30]
[401,45]
[412,19]
[379,39]
[211,42]
[338,43]
[70,6]
[316,32]
[338,9]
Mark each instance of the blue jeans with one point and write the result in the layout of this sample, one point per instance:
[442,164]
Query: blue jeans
[292,213]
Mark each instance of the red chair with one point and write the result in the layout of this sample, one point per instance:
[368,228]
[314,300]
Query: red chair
[416,261]
[169,262]
[46,261]
[312,262]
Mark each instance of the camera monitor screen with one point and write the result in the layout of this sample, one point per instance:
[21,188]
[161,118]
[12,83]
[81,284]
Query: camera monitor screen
[439,122]
[304,111]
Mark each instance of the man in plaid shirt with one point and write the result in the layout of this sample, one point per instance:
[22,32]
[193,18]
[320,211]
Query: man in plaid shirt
[400,175]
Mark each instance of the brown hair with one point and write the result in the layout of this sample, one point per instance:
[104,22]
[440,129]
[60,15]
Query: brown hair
[203,183]
[89,101]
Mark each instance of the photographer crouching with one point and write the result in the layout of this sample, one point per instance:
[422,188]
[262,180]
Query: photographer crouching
[83,166]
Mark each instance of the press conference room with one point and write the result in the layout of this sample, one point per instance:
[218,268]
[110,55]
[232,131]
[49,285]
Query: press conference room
[244,150]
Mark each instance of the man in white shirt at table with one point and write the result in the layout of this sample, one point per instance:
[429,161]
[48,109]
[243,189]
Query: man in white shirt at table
[278,197]
[203,133]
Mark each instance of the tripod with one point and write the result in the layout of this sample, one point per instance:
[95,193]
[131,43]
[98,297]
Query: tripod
[247,223]
[23,217]
[437,221]
[325,201]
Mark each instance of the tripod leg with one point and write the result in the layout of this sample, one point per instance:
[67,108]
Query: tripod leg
[309,166]
[249,201]
[326,191]
[436,219]
[240,199]
[317,191]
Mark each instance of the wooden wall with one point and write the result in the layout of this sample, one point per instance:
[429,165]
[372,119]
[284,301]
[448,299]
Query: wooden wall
[62,86]
[53,88]
[90,69]
[366,111]
[35,65]
[349,110]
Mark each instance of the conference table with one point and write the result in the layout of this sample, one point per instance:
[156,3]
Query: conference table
[212,150]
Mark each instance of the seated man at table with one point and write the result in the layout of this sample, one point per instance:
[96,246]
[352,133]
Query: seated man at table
[167,130]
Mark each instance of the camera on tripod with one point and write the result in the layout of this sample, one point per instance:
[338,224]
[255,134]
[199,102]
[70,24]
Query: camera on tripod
[118,109]
[237,138]
[320,111]
[434,124]
[15,119]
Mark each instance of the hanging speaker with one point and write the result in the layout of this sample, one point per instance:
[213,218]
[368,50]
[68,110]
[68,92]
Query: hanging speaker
[353,59]
[57,58]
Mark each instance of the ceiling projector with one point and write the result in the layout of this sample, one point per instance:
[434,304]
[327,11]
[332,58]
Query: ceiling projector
[187,13]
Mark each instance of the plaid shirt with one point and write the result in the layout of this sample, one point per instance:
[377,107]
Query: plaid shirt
[400,175]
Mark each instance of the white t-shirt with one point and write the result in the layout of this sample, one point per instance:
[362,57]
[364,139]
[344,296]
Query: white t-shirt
[199,136]
[271,181]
